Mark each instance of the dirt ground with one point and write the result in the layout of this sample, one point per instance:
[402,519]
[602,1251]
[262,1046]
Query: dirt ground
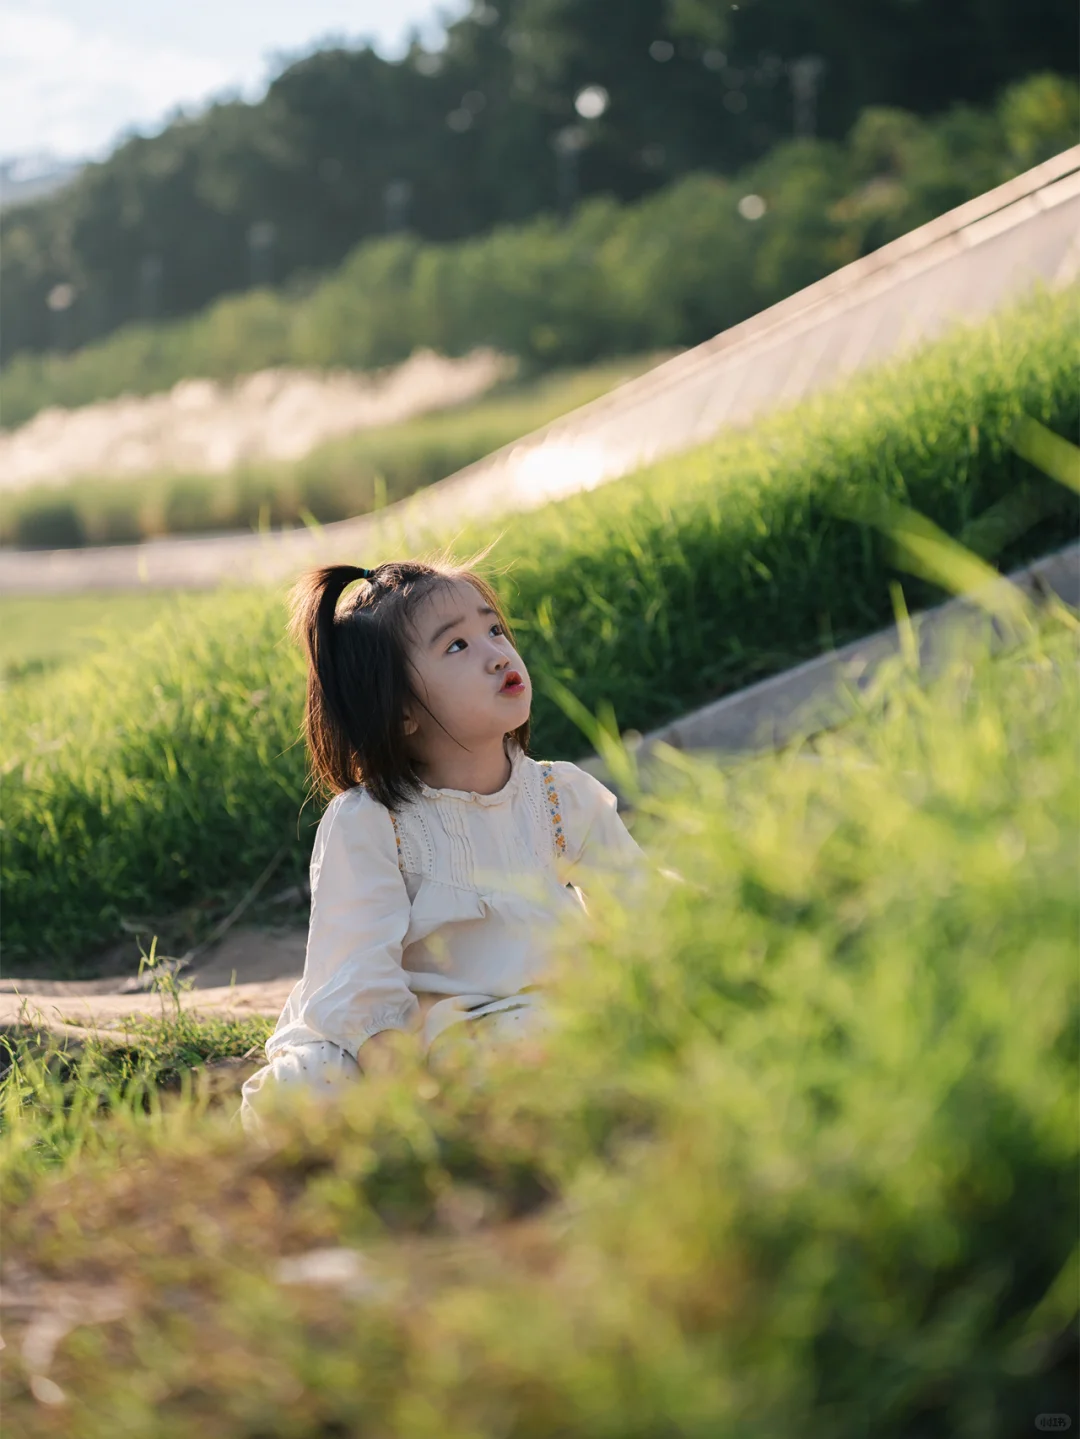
[251,971]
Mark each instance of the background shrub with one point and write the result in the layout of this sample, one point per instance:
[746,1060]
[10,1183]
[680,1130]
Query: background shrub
[50,526]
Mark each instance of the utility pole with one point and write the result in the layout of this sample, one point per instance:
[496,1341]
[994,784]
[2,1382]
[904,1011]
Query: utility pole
[59,301]
[151,269]
[568,143]
[261,236]
[805,74]
[396,197]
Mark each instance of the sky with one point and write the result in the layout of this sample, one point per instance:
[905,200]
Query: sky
[75,74]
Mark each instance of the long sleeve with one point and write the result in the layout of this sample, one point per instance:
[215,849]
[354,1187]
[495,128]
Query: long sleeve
[596,836]
[353,983]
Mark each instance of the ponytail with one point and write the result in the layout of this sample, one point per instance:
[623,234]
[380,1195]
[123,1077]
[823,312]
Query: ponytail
[314,622]
[337,719]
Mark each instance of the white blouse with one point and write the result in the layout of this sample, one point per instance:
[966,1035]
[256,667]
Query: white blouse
[455,894]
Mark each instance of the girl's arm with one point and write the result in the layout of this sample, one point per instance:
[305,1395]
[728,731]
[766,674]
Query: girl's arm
[596,837]
[353,985]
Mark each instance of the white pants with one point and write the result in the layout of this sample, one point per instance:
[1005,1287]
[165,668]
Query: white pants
[322,1066]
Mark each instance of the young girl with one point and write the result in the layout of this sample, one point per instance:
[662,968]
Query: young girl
[446,854]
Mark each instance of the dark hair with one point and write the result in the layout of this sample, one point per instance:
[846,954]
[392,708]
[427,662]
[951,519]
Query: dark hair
[358,682]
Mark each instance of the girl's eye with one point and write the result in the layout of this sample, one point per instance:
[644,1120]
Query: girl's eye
[450,647]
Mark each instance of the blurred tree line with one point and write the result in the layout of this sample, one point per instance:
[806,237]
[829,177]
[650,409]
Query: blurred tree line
[529,106]
[671,269]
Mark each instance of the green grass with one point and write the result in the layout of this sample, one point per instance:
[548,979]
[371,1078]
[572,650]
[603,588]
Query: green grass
[43,634]
[170,770]
[348,476]
[55,1089]
[801,1158]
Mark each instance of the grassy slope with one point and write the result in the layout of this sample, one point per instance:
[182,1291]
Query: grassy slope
[141,781]
[797,1162]
[41,635]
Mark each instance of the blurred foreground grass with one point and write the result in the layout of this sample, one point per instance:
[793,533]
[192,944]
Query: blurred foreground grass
[801,1158]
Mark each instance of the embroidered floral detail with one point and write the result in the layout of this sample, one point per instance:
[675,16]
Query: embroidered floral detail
[554,807]
[397,841]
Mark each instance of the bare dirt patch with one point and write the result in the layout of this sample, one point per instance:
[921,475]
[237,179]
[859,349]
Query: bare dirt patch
[250,972]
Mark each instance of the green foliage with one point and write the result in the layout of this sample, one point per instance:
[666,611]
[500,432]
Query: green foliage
[346,145]
[673,269]
[340,478]
[1035,116]
[794,1162]
[171,768]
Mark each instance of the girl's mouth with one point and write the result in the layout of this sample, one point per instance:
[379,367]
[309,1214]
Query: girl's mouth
[513,684]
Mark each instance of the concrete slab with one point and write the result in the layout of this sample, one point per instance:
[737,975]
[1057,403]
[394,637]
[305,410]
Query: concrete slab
[815,695]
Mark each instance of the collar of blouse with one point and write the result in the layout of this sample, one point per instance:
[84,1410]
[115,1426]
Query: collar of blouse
[500,796]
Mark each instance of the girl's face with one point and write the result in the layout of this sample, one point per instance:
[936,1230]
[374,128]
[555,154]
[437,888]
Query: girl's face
[466,671]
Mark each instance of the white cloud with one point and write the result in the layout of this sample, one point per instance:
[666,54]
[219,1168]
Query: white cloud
[75,73]
[70,91]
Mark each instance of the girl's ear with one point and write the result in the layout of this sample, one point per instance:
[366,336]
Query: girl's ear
[411,726]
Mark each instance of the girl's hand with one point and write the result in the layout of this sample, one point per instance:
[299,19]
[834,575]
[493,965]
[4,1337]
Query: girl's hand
[383,1053]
